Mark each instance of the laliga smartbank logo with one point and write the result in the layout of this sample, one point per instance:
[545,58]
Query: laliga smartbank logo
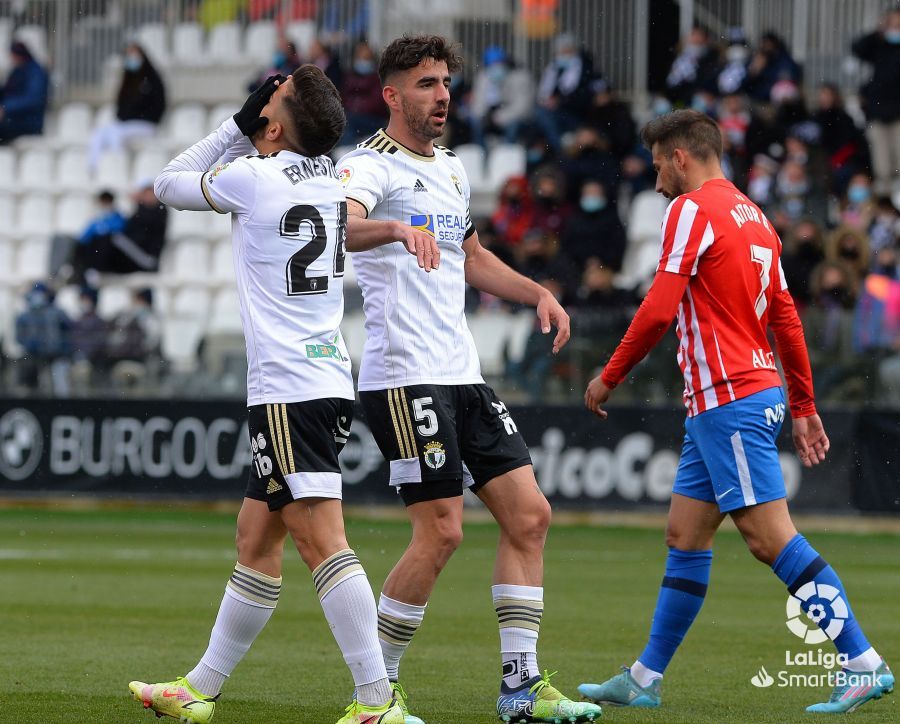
[824,614]
[829,674]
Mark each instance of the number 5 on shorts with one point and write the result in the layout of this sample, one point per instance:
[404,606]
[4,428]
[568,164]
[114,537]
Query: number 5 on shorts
[422,413]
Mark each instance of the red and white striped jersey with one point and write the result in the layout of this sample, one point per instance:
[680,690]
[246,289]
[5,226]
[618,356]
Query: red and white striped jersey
[720,238]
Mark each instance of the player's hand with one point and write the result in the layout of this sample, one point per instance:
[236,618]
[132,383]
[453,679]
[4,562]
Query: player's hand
[248,119]
[550,311]
[595,395]
[810,439]
[421,245]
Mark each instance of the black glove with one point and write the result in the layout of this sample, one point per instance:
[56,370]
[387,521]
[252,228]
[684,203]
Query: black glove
[248,119]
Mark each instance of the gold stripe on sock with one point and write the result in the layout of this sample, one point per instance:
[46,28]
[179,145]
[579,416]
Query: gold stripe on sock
[335,569]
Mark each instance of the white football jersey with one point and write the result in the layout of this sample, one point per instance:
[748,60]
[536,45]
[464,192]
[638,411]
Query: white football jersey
[289,232]
[416,331]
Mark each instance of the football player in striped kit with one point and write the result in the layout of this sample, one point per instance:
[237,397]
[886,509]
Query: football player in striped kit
[420,383]
[720,277]
[289,225]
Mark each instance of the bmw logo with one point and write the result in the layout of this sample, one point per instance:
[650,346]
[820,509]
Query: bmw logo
[21,444]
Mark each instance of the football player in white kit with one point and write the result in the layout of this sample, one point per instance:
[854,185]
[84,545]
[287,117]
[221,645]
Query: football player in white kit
[420,383]
[288,229]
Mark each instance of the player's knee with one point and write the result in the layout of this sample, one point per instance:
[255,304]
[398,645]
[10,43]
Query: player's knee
[530,527]
[442,538]
[684,538]
[257,552]
[761,548]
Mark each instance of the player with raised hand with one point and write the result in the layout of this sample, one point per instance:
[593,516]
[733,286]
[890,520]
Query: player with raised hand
[289,224]
[420,382]
[720,277]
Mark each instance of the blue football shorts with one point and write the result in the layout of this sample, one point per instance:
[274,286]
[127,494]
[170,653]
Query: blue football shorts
[729,456]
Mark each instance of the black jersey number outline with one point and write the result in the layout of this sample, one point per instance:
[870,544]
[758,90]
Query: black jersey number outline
[295,270]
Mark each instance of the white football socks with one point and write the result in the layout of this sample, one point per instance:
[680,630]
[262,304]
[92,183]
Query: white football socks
[397,624]
[868,660]
[349,607]
[519,610]
[246,608]
[642,675]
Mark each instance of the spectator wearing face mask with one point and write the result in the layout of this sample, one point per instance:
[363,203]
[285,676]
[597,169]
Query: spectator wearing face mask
[845,145]
[885,228]
[89,333]
[792,193]
[771,63]
[761,180]
[734,72]
[595,230]
[24,96]
[849,246]
[550,209]
[44,332]
[857,205]
[612,118]
[502,98]
[694,69]
[881,97]
[140,105]
[361,95]
[514,213]
[564,92]
[589,157]
[804,250]
[828,325]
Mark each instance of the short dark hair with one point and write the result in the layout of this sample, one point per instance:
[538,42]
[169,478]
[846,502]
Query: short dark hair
[409,50]
[691,130]
[316,111]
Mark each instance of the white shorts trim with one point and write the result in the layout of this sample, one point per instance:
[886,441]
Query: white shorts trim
[314,485]
[408,470]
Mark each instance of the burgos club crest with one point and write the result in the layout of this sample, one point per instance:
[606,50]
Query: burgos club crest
[435,457]
[456,182]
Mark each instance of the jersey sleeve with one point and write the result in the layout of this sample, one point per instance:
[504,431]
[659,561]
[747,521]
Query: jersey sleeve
[467,194]
[230,187]
[363,177]
[686,235]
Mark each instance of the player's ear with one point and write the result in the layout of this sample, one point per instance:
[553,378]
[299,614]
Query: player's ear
[679,158]
[391,97]
[274,131]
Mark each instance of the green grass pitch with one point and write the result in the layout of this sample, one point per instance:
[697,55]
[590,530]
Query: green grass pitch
[91,600]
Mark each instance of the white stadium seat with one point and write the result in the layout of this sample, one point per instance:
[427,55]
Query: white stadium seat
[72,170]
[354,333]
[7,212]
[180,340]
[6,27]
[187,44]
[113,171]
[225,316]
[190,260]
[106,114]
[35,170]
[471,156]
[222,270]
[187,124]
[154,39]
[73,213]
[68,299]
[224,45]
[74,123]
[112,300]
[187,224]
[301,33]
[148,163]
[260,42]
[490,330]
[645,215]
[190,302]
[219,227]
[7,255]
[8,176]
[221,112]
[33,259]
[504,161]
[35,216]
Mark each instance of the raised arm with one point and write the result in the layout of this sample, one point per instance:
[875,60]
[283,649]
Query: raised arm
[486,272]
[364,234]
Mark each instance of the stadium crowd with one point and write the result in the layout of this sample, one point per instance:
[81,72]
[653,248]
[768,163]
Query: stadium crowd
[824,171]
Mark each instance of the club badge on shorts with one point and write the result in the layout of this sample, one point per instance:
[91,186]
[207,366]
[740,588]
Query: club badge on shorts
[434,455]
